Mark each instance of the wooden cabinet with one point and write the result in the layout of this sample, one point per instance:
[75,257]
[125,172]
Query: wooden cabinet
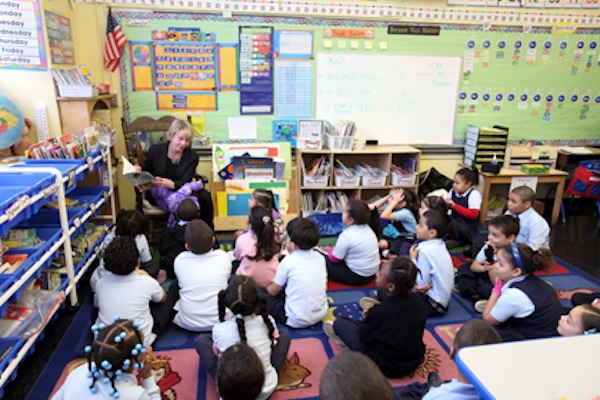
[76,113]
[311,188]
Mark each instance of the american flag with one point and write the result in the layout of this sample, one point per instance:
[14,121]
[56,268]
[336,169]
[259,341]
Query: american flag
[115,41]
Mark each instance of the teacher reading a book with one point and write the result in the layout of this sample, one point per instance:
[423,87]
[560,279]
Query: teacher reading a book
[173,165]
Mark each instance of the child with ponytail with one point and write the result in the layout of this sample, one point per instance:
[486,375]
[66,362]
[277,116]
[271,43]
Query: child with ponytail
[522,306]
[257,249]
[250,324]
[118,349]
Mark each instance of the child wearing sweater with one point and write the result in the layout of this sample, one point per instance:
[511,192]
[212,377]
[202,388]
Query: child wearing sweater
[522,306]
[257,249]
[392,332]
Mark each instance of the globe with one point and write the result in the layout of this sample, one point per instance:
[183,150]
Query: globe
[11,122]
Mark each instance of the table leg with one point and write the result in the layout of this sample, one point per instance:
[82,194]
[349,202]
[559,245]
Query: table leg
[560,188]
[487,182]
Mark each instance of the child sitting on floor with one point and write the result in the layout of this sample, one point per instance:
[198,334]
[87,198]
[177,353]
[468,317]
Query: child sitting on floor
[298,296]
[464,201]
[401,211]
[474,332]
[172,242]
[250,324]
[534,230]
[257,250]
[202,273]
[475,280]
[584,319]
[392,331]
[130,223]
[435,278]
[240,374]
[353,376]
[265,198]
[355,258]
[128,291]
[117,351]
[522,306]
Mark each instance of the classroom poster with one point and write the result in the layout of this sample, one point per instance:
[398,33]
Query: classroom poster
[256,70]
[21,35]
[141,65]
[184,66]
[60,39]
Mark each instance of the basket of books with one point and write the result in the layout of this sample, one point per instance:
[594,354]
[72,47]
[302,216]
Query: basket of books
[78,91]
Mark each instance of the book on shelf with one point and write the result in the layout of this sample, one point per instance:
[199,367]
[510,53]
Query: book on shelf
[137,178]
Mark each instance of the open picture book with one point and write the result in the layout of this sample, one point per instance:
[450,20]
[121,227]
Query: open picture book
[138,178]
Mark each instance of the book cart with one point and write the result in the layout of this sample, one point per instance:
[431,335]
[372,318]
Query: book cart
[25,188]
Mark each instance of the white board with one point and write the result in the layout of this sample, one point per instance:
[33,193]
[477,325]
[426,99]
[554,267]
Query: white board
[395,99]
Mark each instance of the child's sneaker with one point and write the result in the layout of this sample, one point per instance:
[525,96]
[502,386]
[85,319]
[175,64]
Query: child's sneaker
[367,302]
[480,306]
[330,332]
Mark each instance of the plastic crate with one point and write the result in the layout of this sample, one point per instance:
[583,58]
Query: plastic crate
[36,182]
[49,218]
[347,181]
[65,168]
[338,142]
[315,180]
[88,195]
[9,346]
[400,180]
[8,197]
[378,179]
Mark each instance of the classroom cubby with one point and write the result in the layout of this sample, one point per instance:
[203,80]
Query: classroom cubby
[381,157]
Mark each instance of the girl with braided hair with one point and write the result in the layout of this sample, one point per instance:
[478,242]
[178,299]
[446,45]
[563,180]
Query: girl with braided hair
[117,351]
[250,324]
[257,249]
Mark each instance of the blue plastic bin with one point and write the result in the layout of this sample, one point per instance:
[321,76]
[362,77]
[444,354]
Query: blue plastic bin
[88,195]
[35,182]
[48,218]
[65,169]
[10,346]
[8,196]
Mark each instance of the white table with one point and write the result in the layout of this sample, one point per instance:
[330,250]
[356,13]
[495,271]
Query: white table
[562,368]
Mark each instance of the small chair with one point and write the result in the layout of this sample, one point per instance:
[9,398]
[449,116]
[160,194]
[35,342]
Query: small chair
[139,136]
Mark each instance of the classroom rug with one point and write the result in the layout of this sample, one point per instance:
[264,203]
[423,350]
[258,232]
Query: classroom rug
[310,348]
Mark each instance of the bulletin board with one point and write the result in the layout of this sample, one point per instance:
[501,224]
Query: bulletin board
[542,86]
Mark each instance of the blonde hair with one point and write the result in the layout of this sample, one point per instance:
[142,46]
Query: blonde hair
[180,125]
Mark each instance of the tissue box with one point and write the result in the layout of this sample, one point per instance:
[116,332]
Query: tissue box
[535,168]
[490,167]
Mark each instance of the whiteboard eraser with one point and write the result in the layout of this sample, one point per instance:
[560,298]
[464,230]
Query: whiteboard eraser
[372,142]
